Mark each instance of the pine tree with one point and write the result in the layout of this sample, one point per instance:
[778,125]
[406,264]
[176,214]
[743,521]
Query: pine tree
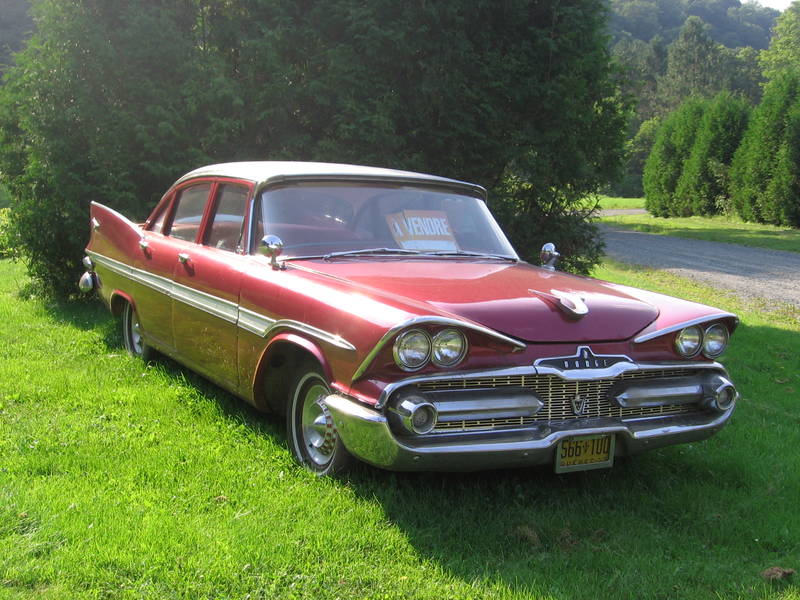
[754,163]
[670,152]
[701,188]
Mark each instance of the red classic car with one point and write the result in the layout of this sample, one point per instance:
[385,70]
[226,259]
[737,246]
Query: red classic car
[385,314]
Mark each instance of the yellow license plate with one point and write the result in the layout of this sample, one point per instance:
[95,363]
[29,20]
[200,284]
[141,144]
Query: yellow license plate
[584,453]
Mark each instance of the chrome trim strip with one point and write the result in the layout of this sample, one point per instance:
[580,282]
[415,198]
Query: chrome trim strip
[226,310]
[321,334]
[574,375]
[218,307]
[649,336]
[432,320]
[255,322]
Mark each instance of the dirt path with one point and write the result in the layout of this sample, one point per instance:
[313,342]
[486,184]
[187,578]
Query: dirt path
[747,272]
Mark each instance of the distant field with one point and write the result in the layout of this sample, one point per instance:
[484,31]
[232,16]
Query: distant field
[717,229]
[609,202]
[125,480]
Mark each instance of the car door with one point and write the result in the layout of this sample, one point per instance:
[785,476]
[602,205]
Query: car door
[208,279]
[154,265]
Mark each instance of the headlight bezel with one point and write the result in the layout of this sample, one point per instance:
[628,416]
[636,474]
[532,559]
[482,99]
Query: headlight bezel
[438,337]
[397,350]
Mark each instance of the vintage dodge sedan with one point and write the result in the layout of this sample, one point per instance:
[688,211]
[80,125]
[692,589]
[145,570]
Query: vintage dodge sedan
[386,315]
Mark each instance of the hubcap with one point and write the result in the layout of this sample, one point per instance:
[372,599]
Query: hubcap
[136,334]
[319,436]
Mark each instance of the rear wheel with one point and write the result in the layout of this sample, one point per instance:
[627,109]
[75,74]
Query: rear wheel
[310,428]
[132,334]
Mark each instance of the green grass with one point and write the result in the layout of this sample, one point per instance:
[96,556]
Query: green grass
[717,229]
[124,481]
[609,202]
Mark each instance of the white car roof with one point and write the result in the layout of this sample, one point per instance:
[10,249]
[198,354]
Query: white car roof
[266,172]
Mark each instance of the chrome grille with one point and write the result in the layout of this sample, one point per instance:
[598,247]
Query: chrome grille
[557,395]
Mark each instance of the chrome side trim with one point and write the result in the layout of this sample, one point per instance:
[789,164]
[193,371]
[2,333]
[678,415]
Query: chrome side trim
[255,322]
[223,309]
[575,375]
[672,328]
[226,310]
[321,334]
[432,320]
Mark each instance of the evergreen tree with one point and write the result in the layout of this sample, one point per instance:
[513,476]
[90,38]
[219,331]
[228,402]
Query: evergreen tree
[701,187]
[670,152]
[754,163]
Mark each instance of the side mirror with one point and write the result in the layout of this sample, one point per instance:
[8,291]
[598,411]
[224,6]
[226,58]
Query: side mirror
[549,255]
[271,246]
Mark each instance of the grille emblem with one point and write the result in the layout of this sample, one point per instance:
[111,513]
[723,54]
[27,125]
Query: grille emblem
[579,406]
[584,358]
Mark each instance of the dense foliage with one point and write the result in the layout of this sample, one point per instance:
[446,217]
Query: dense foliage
[15,26]
[784,50]
[671,149]
[661,77]
[687,171]
[765,178]
[702,187]
[731,22]
[112,100]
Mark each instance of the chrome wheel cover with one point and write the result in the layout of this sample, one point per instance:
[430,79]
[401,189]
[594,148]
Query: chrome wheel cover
[316,425]
[136,335]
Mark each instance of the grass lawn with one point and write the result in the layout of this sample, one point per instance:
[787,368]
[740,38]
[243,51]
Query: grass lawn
[716,229]
[120,480]
[608,202]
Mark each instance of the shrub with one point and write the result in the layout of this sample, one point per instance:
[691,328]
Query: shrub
[665,164]
[700,188]
[530,221]
[766,146]
[6,234]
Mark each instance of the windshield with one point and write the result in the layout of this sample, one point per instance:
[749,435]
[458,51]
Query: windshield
[328,219]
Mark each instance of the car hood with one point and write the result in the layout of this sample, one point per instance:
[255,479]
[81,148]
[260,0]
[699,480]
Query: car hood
[529,303]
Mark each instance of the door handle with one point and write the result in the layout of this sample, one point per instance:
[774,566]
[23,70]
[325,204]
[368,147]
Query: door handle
[183,258]
[144,245]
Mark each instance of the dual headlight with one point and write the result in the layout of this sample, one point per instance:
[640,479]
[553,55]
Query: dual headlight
[712,342]
[414,348]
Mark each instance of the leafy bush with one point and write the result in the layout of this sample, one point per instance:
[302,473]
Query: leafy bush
[700,189]
[665,164]
[762,180]
[6,234]
[530,221]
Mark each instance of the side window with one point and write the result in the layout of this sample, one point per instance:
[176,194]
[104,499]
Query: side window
[158,224]
[191,202]
[226,227]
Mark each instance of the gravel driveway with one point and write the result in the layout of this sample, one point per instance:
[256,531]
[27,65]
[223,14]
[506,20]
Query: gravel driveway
[747,272]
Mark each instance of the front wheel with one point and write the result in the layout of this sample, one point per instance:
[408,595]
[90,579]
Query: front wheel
[310,428]
[132,334]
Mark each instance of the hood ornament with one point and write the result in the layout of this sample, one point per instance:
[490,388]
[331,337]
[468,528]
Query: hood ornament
[572,305]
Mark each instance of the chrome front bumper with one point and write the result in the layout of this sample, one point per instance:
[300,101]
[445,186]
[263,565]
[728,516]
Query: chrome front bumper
[368,435]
